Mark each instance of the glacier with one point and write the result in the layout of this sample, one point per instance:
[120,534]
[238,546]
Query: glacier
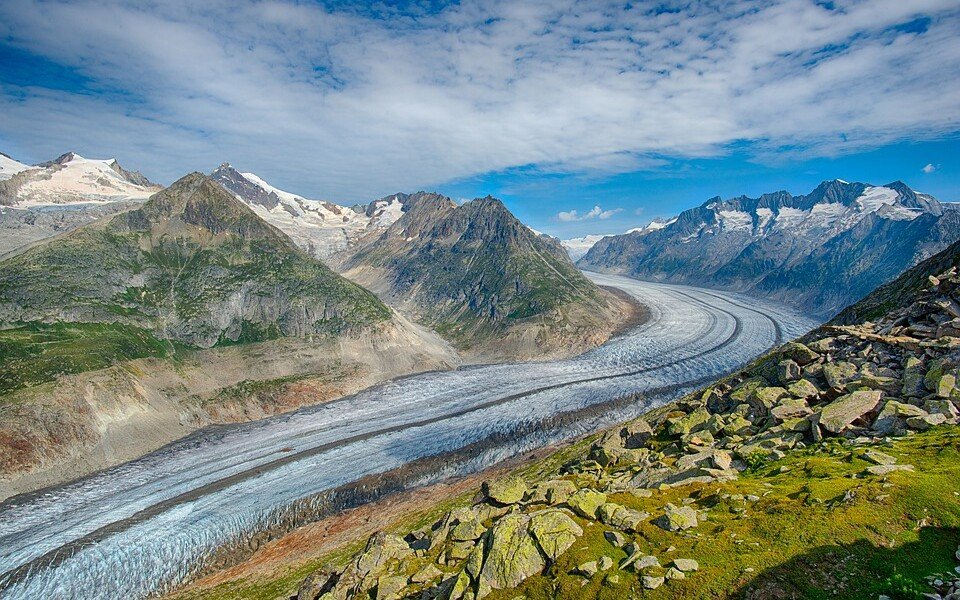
[146,526]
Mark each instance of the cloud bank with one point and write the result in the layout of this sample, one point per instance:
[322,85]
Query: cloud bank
[594,213]
[350,103]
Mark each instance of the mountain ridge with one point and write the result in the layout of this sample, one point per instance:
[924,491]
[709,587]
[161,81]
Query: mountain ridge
[789,248]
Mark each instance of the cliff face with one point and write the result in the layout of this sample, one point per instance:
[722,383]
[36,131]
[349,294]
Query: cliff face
[484,280]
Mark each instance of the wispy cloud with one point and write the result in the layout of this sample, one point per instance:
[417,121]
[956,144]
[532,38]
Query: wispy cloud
[594,213]
[347,104]
[930,168]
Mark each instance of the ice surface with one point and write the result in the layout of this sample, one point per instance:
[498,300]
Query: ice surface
[105,549]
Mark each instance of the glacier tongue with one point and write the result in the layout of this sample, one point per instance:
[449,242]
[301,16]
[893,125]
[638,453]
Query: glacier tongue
[143,527]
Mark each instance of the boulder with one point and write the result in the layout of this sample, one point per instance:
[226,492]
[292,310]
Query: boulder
[722,459]
[317,584]
[843,411]
[554,531]
[913,376]
[798,353]
[893,416]
[636,434]
[467,531]
[650,582]
[878,458]
[686,564]
[890,385]
[389,586]
[427,574]
[946,386]
[605,563]
[586,502]
[674,574]
[505,491]
[787,371]
[512,554]
[887,469]
[621,517]
[803,389]
[555,491]
[765,398]
[689,423]
[790,408]
[678,518]
[839,374]
[588,569]
[615,538]
[926,422]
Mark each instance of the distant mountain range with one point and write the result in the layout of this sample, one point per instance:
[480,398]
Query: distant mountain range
[191,265]
[819,251]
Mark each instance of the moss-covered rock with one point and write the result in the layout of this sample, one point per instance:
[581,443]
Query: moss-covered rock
[586,502]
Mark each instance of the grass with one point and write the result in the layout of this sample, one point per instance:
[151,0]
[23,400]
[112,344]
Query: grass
[819,530]
[37,352]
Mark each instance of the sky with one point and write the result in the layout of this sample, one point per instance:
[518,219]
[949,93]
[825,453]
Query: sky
[584,117]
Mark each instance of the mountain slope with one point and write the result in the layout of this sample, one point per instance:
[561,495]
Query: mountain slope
[10,167]
[484,280]
[820,251]
[904,288]
[320,228]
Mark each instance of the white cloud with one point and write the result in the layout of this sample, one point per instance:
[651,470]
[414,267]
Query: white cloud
[594,213]
[342,105]
[930,168]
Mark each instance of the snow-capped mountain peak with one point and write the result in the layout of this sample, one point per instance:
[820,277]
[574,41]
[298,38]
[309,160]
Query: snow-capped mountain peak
[10,167]
[73,179]
[319,227]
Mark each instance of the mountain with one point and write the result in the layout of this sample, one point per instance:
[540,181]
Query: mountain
[10,167]
[577,247]
[72,179]
[484,280]
[192,265]
[136,329]
[824,469]
[54,197]
[320,228]
[819,252]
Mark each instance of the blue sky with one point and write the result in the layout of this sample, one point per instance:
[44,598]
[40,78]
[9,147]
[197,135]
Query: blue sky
[585,117]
